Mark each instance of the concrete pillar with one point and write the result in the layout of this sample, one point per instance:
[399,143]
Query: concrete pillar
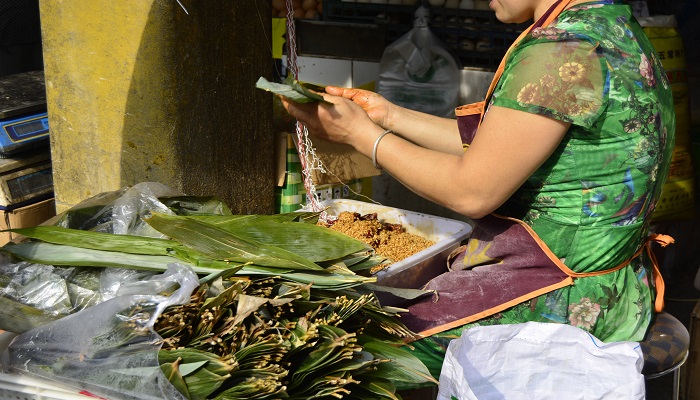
[160,91]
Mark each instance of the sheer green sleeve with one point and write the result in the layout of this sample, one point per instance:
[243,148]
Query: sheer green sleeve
[564,80]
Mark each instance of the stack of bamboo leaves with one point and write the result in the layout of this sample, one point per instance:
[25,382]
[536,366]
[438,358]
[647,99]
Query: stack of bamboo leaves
[285,308]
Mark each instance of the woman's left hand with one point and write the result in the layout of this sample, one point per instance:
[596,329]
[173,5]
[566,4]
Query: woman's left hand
[340,120]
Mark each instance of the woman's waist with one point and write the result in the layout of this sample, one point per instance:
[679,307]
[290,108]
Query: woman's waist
[589,247]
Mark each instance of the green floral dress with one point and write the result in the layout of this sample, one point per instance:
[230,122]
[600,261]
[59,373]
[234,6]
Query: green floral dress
[591,201]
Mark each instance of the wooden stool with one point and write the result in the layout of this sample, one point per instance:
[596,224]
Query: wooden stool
[665,349]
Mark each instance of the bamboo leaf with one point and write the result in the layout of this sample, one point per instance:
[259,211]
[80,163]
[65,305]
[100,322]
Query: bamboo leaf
[293,90]
[357,262]
[246,306]
[220,244]
[310,241]
[203,382]
[377,388]
[403,293]
[202,372]
[54,254]
[320,280]
[404,368]
[99,241]
[188,368]
[170,370]
[18,318]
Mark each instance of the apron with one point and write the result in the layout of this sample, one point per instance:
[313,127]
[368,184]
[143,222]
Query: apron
[504,263]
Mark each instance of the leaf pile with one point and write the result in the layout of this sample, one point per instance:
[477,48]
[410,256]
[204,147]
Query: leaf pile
[272,339]
[285,308]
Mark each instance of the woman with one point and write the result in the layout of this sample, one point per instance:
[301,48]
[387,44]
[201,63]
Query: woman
[561,177]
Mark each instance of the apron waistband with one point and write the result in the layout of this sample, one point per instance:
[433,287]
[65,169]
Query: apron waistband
[661,239]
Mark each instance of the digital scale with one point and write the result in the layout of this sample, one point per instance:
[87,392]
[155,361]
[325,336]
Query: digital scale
[24,122]
[25,155]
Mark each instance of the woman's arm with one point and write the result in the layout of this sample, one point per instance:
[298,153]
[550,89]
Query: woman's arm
[423,129]
[508,148]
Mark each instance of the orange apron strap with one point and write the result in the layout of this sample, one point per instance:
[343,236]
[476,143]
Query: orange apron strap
[477,110]
[663,240]
[470,109]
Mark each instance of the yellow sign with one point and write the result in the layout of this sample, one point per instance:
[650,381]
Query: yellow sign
[279,30]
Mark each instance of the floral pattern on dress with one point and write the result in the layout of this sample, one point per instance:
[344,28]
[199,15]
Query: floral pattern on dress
[590,202]
[584,313]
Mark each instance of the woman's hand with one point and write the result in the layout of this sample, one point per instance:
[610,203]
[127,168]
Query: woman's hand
[422,129]
[340,120]
[376,106]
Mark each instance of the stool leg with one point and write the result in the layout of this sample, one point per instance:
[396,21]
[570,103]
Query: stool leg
[676,384]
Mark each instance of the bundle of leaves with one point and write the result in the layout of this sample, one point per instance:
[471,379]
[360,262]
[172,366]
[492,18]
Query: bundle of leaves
[285,308]
[270,338]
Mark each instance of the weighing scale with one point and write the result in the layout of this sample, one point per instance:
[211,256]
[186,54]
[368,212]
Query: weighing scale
[24,122]
[25,159]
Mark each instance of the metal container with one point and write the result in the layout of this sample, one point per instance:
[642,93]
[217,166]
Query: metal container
[416,270]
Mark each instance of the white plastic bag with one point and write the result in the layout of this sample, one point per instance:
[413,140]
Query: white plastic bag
[539,361]
[418,72]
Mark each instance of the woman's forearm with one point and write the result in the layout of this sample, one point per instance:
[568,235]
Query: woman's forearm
[425,130]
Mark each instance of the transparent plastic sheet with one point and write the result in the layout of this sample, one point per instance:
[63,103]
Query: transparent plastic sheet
[418,72]
[138,201]
[34,294]
[110,349]
[120,211]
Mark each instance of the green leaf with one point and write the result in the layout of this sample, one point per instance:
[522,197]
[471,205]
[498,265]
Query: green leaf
[170,370]
[291,89]
[313,242]
[54,254]
[404,293]
[188,368]
[18,318]
[380,387]
[222,245]
[99,241]
[320,280]
[404,368]
[202,372]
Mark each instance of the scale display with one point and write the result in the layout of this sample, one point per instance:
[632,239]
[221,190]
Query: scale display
[24,122]
[23,132]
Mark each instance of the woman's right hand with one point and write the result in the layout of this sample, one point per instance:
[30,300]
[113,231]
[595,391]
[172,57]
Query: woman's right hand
[376,106]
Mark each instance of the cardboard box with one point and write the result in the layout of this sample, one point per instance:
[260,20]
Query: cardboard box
[341,162]
[24,217]
[690,371]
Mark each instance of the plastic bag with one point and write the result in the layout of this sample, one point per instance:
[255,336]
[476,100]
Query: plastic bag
[539,361]
[418,71]
[34,294]
[119,211]
[109,349]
